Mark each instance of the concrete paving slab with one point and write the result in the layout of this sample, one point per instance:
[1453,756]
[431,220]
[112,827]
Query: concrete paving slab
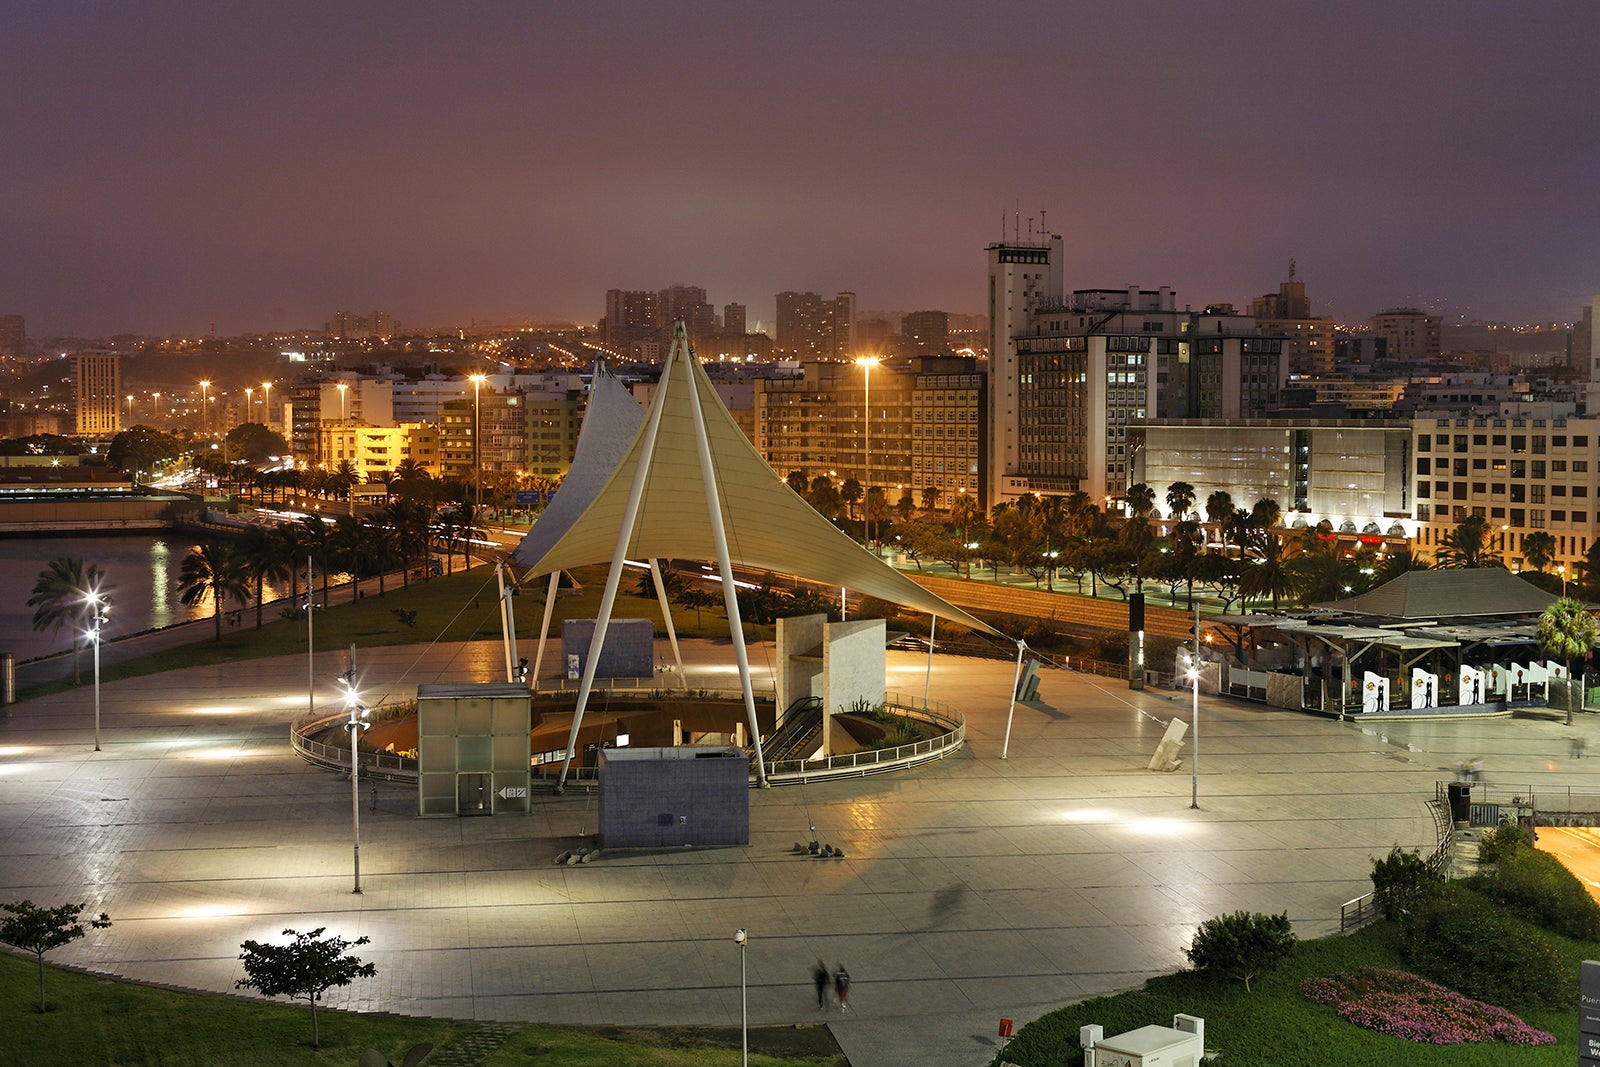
[972,888]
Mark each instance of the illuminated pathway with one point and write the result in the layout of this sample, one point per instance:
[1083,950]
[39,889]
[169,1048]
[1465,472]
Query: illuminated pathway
[971,889]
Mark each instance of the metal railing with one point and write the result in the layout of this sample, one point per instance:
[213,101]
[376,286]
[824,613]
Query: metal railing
[1364,909]
[384,765]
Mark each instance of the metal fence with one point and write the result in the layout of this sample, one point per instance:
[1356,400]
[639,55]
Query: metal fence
[1363,909]
[949,721]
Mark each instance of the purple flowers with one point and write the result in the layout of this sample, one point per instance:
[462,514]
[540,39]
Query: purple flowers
[1402,1005]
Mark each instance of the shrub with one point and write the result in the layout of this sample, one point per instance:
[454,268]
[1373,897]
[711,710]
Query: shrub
[1405,1006]
[1241,945]
[1537,887]
[1400,882]
[1500,842]
[1456,937]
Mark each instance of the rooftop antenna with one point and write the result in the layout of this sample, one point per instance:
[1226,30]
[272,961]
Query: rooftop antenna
[1042,231]
[1030,229]
[1016,222]
[1291,269]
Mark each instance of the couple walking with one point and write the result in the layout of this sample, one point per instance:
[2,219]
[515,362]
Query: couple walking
[839,979]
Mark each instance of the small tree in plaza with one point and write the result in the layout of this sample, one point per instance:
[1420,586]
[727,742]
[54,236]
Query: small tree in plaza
[1241,945]
[38,930]
[308,966]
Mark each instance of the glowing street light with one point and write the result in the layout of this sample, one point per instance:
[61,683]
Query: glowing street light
[130,408]
[866,363]
[358,722]
[342,387]
[249,399]
[157,395]
[266,401]
[477,381]
[205,385]
[98,607]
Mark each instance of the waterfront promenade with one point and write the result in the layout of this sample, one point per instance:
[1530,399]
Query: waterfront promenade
[971,889]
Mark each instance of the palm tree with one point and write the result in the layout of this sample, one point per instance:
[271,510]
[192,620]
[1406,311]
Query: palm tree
[1267,572]
[1141,500]
[1265,514]
[930,497]
[1400,560]
[314,542]
[1567,629]
[383,549]
[1468,547]
[266,559]
[1219,507]
[213,570]
[67,593]
[1538,549]
[1180,496]
[411,523]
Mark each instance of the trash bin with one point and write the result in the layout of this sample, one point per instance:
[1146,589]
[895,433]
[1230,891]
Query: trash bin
[1460,796]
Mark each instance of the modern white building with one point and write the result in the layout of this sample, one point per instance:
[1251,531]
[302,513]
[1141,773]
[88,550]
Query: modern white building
[97,393]
[1021,277]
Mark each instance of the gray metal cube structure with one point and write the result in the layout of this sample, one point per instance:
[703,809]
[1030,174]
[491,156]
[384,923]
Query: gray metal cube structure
[629,650]
[473,748]
[674,797]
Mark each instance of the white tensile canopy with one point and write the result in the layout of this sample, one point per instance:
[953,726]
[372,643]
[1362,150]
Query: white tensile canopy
[690,485]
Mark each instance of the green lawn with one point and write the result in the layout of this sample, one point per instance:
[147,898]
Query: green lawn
[1274,1025]
[100,1021]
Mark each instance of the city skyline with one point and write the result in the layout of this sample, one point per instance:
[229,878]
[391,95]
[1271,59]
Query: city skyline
[175,167]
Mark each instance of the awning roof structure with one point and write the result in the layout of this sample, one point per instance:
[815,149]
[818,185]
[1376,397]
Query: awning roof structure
[1448,594]
[768,526]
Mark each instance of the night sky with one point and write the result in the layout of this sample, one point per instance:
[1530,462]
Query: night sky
[263,165]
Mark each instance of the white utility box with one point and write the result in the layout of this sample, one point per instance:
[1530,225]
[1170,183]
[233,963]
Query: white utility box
[1179,1045]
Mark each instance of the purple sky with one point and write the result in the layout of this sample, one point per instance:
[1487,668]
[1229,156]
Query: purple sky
[262,165]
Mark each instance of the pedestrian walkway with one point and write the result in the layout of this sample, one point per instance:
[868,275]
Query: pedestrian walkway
[972,889]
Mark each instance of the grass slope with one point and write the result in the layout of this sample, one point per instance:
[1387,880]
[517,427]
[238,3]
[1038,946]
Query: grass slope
[1274,1025]
[101,1021]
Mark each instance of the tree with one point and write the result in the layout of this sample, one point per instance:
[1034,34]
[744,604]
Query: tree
[930,497]
[1241,945]
[1539,548]
[266,559]
[797,481]
[1398,561]
[38,930]
[1567,629]
[1467,546]
[142,448]
[1265,514]
[64,595]
[307,967]
[1219,507]
[1141,500]
[1180,497]
[253,443]
[213,570]
[1265,572]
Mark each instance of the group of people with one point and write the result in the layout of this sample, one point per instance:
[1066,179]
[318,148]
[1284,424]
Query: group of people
[839,979]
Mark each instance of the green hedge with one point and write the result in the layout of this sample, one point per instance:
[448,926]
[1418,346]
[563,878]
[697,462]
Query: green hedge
[1534,886]
[1470,944]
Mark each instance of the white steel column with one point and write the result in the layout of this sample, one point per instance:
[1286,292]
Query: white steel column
[666,614]
[544,628]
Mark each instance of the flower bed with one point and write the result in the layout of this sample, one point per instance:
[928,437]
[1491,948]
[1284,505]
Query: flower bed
[1406,1006]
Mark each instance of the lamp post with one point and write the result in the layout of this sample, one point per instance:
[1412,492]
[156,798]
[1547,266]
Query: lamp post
[866,363]
[358,722]
[157,395]
[741,938]
[1562,570]
[1194,670]
[97,610]
[342,387]
[205,386]
[249,401]
[130,409]
[477,455]
[266,404]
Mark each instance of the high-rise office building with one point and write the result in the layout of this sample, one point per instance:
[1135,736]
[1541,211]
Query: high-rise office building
[13,335]
[1413,335]
[733,318]
[1021,277]
[811,326]
[97,393]
[350,326]
[631,315]
[1308,347]
[925,333]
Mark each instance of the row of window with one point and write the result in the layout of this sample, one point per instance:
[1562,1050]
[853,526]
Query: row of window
[1517,468]
[1519,493]
[1518,442]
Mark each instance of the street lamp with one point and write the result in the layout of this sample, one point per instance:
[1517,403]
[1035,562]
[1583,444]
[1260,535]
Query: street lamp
[744,1005]
[358,722]
[1562,570]
[866,363]
[249,400]
[130,409]
[157,395]
[477,456]
[204,386]
[342,386]
[1194,726]
[97,614]
[266,401]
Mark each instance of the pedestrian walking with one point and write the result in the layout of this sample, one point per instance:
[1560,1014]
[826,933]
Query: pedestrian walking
[374,796]
[841,987]
[823,980]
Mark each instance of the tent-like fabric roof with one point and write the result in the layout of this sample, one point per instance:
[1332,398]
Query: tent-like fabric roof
[611,420]
[1448,594]
[769,527]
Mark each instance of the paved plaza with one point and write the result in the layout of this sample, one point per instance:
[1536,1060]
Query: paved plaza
[971,889]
